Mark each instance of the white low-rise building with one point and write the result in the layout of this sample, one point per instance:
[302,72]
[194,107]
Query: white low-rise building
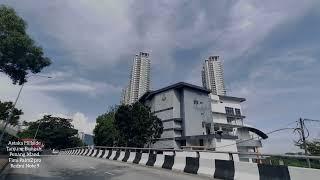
[192,117]
[227,118]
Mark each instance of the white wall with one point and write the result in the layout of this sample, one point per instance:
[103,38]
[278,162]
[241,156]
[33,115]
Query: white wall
[195,114]
[165,144]
[226,145]
[243,134]
[217,106]
[219,118]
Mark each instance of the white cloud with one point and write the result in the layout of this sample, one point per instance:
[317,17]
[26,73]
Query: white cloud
[35,99]
[82,86]
[250,22]
[81,122]
[96,33]
[277,95]
[33,103]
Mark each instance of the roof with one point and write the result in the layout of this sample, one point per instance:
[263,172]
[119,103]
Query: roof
[257,131]
[231,98]
[251,129]
[178,85]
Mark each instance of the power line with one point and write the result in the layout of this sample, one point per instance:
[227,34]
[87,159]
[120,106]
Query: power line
[312,120]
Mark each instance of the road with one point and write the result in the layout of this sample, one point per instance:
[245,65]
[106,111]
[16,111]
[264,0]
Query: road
[88,168]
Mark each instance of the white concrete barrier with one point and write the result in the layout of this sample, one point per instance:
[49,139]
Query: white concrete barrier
[99,153]
[144,158]
[159,160]
[90,150]
[297,173]
[113,154]
[180,160]
[214,165]
[121,156]
[246,170]
[94,152]
[105,153]
[206,164]
[82,151]
[85,151]
[131,157]
[76,152]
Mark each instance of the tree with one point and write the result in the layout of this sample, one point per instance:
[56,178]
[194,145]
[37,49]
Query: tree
[6,138]
[313,147]
[19,54]
[54,132]
[5,108]
[137,126]
[105,132]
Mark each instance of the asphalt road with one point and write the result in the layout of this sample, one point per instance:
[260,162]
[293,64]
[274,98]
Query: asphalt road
[88,168]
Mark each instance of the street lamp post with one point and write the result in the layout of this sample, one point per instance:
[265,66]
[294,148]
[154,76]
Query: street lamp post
[12,109]
[35,134]
[10,114]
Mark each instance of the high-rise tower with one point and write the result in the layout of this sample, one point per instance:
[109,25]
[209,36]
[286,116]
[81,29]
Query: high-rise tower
[212,75]
[139,81]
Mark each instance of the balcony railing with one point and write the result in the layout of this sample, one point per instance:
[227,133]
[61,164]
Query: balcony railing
[249,143]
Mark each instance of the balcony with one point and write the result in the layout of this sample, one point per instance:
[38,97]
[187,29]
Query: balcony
[249,143]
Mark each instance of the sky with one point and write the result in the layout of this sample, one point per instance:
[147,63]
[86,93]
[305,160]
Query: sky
[270,52]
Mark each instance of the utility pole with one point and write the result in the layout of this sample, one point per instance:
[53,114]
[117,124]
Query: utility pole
[304,141]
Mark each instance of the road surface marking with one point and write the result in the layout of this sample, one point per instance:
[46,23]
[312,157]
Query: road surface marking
[109,173]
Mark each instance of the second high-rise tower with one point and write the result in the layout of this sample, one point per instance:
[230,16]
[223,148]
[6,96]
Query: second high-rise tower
[139,81]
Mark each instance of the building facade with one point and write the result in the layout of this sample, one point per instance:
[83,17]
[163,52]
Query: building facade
[193,117]
[139,81]
[227,117]
[212,75]
[87,139]
[185,111]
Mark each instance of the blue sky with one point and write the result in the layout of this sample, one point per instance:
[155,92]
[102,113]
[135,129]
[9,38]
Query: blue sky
[270,52]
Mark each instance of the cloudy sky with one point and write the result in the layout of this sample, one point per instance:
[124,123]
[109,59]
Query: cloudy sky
[270,51]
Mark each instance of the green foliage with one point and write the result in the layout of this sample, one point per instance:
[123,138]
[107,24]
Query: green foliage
[5,108]
[6,138]
[313,147]
[19,55]
[127,125]
[137,125]
[288,161]
[105,132]
[55,132]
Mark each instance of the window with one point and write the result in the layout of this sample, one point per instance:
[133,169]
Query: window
[183,143]
[201,142]
[230,119]
[229,111]
[208,130]
[195,102]
[238,112]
